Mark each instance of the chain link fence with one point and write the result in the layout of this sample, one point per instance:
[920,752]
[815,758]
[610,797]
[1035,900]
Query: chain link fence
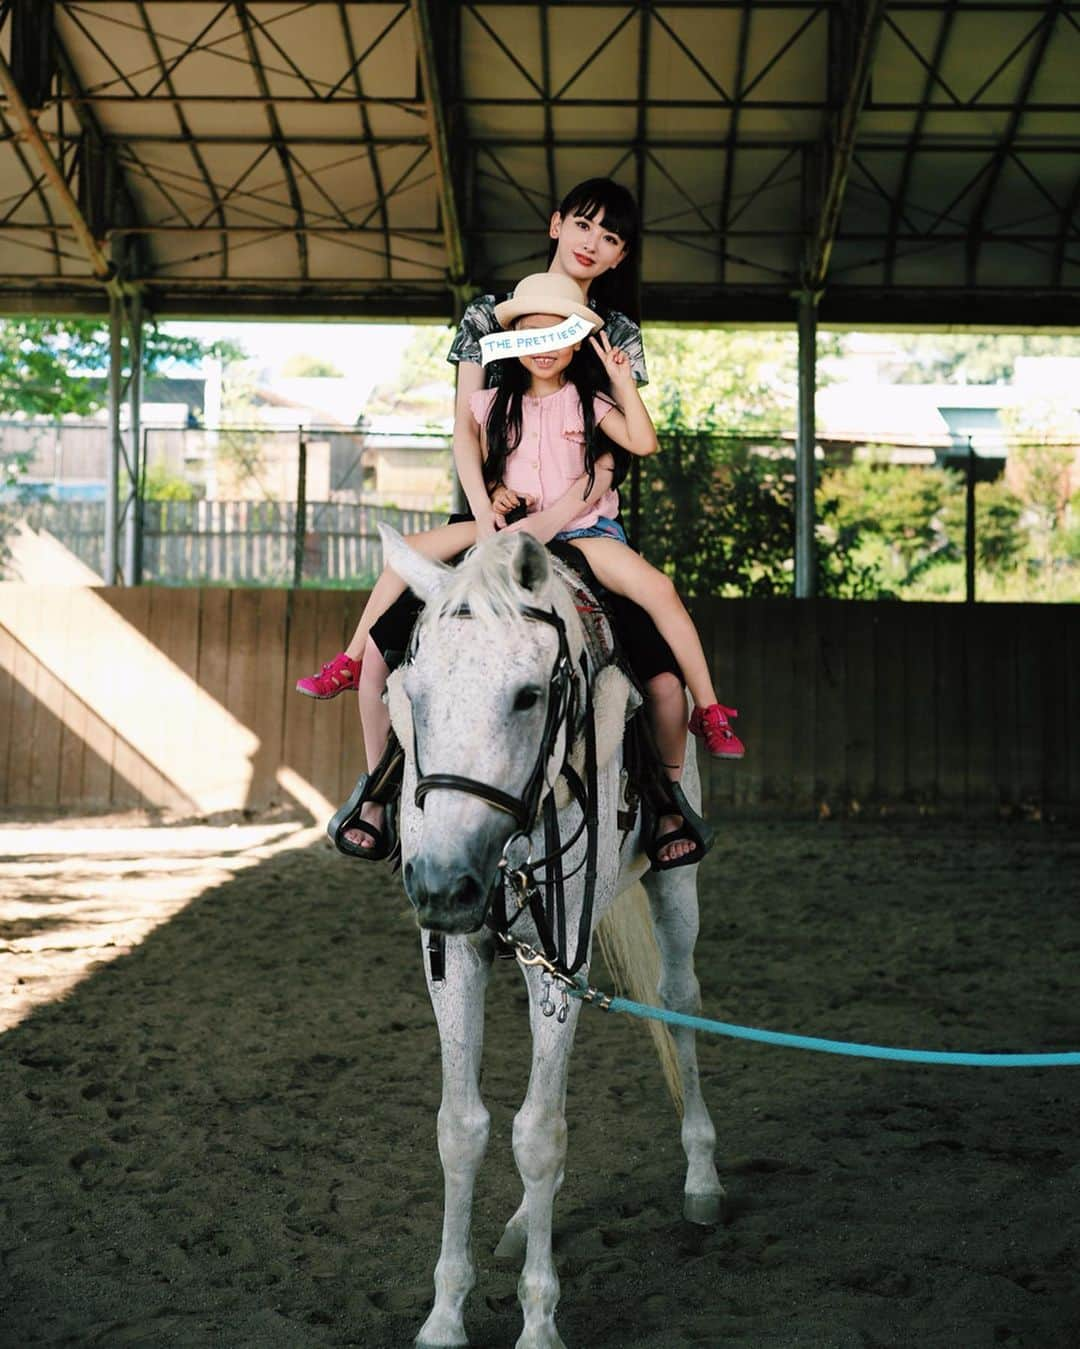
[989,517]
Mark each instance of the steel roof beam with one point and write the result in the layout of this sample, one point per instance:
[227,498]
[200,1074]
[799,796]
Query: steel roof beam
[248,24]
[733,130]
[186,136]
[866,18]
[442,147]
[54,175]
[896,215]
[1039,43]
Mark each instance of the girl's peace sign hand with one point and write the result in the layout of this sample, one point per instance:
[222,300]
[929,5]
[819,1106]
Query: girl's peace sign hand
[615,361]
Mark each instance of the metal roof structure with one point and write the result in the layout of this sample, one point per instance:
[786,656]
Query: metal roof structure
[914,162]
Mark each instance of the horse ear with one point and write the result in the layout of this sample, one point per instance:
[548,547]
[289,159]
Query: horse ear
[530,565]
[423,576]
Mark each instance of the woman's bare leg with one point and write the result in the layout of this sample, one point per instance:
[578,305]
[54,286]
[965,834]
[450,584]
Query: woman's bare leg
[375,721]
[666,707]
[441,544]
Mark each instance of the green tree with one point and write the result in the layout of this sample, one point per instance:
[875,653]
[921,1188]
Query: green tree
[305,366]
[718,515]
[902,508]
[47,366]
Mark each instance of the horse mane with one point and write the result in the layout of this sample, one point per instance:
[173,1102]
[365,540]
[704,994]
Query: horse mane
[483,582]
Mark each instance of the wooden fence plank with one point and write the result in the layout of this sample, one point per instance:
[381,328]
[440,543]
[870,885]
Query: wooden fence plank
[774,720]
[271,689]
[916,719]
[7,709]
[1057,676]
[303,657]
[1003,665]
[48,711]
[951,701]
[329,727]
[748,774]
[854,625]
[830,749]
[980,640]
[804,701]
[1029,655]
[890,701]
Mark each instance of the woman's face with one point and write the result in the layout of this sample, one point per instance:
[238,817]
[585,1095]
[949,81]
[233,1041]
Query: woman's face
[548,364]
[584,248]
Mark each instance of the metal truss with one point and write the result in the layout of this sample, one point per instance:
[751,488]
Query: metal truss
[340,157]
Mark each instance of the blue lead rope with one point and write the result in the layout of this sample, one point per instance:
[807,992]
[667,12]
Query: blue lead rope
[774,1037]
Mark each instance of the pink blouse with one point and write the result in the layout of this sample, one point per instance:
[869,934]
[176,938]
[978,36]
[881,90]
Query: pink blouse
[550,457]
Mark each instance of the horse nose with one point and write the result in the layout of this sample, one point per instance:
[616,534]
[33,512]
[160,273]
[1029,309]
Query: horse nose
[448,899]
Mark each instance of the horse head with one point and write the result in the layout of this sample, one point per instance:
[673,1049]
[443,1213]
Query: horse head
[481,708]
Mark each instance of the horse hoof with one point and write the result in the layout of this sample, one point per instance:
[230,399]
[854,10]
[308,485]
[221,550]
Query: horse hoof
[511,1245]
[703,1209]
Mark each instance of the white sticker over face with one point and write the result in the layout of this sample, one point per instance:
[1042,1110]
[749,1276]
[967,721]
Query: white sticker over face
[533,341]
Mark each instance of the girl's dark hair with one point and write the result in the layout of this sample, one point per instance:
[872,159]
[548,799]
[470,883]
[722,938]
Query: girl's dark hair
[602,197]
[503,427]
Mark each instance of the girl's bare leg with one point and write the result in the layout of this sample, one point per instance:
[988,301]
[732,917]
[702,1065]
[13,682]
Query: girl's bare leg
[625,572]
[442,544]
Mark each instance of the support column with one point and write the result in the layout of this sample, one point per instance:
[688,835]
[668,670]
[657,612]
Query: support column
[133,533]
[112,468]
[805,465]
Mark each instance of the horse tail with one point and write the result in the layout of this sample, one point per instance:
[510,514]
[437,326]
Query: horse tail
[627,942]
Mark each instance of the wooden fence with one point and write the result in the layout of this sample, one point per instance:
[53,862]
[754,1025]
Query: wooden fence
[183,698]
[237,542]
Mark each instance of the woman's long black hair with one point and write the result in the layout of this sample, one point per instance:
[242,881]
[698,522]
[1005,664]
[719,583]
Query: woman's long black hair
[619,288]
[503,427]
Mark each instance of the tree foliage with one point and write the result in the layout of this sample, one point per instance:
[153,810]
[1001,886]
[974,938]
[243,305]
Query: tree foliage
[51,367]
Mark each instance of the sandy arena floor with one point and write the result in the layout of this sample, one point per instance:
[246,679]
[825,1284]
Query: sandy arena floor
[223,1133]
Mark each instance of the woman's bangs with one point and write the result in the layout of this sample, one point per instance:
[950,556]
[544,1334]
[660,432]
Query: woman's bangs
[615,208]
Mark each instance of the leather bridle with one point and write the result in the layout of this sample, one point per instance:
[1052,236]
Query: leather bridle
[548,913]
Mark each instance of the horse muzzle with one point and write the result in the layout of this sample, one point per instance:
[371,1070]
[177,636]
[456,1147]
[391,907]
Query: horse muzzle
[447,898]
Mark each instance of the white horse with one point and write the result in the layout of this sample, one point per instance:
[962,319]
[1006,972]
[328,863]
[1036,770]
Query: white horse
[471,708]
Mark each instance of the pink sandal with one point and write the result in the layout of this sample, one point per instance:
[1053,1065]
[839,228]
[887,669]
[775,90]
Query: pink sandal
[336,676]
[712,725]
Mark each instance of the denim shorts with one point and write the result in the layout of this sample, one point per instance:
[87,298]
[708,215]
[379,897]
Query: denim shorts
[604,528]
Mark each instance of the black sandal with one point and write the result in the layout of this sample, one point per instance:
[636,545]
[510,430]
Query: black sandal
[381,787]
[693,829]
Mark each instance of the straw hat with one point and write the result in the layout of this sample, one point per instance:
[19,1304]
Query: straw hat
[546,293]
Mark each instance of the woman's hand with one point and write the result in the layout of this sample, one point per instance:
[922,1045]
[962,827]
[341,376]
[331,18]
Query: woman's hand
[615,361]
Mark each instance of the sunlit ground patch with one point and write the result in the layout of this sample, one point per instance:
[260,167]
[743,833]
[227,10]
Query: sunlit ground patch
[75,895]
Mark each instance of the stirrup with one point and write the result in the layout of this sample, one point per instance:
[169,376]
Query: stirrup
[382,786]
[693,828]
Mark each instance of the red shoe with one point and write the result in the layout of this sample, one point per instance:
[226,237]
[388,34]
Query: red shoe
[712,725]
[335,677]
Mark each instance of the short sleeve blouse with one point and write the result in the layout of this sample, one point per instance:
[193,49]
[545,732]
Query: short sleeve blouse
[550,457]
[479,320]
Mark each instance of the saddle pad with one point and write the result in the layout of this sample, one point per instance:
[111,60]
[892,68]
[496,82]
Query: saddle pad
[572,569]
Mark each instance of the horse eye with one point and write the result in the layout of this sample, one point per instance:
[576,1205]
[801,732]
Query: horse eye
[526,698]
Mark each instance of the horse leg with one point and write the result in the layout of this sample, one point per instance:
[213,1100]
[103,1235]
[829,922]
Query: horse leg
[674,903]
[540,1153]
[463,1132]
